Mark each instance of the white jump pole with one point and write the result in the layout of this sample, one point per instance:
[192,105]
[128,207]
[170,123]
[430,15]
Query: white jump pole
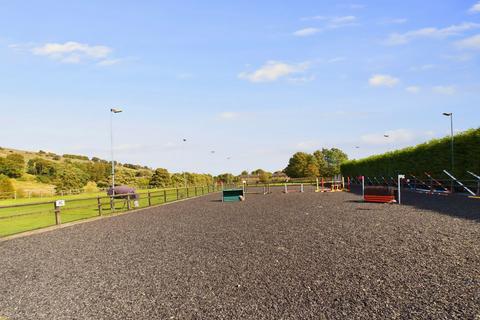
[317,186]
[460,183]
[301,187]
[286,189]
[400,177]
[363,186]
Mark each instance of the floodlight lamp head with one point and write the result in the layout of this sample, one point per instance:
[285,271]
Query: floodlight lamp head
[447,114]
[386,136]
[115,110]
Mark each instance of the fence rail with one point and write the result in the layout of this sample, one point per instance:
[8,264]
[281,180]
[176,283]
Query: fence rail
[30,216]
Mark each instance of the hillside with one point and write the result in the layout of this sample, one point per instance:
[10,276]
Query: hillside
[27,173]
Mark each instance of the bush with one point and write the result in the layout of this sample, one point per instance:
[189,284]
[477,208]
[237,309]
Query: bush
[12,166]
[90,187]
[6,187]
[160,179]
[74,156]
[69,178]
[41,167]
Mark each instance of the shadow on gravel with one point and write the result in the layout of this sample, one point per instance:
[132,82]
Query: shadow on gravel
[457,206]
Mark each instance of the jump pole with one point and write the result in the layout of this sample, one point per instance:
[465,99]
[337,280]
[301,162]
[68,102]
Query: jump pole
[463,186]
[478,183]
[400,177]
[363,187]
[301,187]
[286,190]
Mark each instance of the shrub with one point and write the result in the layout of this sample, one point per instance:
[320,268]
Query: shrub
[91,187]
[6,187]
[11,166]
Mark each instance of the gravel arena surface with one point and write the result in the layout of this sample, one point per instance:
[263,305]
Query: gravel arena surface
[279,256]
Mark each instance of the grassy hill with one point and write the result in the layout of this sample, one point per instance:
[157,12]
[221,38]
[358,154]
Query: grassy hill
[32,174]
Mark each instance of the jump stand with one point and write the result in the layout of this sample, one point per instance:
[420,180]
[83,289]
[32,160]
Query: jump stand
[335,185]
[382,194]
[286,190]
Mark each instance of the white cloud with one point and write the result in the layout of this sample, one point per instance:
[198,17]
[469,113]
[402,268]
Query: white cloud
[424,67]
[446,90]
[337,22]
[109,62]
[475,8]
[306,32]
[336,59]
[383,80]
[228,115]
[300,80]
[393,21]
[71,52]
[404,38]
[394,136]
[470,43]
[413,89]
[329,23]
[272,71]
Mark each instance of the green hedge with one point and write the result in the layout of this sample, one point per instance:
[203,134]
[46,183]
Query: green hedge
[433,157]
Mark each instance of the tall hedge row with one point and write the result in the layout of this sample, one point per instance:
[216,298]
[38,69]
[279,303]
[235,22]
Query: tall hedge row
[433,157]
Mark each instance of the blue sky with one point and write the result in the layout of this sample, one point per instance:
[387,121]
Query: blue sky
[252,81]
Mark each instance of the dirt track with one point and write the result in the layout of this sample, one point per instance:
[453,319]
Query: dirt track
[294,256]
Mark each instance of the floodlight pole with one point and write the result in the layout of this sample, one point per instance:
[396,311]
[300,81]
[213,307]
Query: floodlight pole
[112,112]
[450,114]
[184,173]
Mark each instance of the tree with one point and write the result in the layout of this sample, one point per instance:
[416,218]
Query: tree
[226,178]
[244,173]
[13,165]
[322,163]
[265,177]
[41,167]
[70,178]
[334,158]
[298,165]
[6,187]
[311,170]
[160,178]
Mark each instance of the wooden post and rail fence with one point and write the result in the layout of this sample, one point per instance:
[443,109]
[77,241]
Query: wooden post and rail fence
[101,205]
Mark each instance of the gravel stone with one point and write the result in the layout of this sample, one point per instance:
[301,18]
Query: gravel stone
[279,256]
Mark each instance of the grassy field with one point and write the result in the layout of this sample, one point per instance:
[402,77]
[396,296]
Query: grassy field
[30,214]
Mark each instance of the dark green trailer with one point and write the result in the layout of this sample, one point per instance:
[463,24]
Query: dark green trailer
[232,195]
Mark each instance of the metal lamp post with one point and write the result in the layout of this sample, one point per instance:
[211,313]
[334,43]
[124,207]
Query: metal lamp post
[112,112]
[450,114]
[184,173]
[387,136]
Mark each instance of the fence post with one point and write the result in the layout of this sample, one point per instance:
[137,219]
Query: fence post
[58,219]
[187,192]
[112,204]
[195,191]
[149,199]
[164,196]
[177,193]
[99,203]
[128,202]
